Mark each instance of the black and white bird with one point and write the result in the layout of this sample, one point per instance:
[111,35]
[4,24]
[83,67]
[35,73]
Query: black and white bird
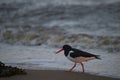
[77,56]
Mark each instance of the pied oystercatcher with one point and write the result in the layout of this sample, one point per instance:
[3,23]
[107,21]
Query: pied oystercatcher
[77,56]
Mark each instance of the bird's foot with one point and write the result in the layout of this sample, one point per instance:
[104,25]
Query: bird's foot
[82,72]
[68,71]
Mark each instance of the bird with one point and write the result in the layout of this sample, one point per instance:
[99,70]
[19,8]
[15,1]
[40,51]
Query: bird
[77,56]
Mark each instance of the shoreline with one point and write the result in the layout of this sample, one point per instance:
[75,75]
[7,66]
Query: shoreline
[56,75]
[23,57]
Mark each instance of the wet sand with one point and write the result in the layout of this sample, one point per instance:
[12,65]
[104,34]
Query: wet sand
[56,75]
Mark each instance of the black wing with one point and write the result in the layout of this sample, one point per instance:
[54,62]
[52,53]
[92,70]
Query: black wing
[78,53]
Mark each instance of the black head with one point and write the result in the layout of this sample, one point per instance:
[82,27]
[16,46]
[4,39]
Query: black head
[67,47]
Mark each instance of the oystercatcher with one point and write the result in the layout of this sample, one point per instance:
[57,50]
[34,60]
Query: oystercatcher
[77,56]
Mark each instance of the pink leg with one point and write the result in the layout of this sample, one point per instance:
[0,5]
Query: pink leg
[72,67]
[82,66]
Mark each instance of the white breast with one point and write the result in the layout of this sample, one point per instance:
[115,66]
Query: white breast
[69,57]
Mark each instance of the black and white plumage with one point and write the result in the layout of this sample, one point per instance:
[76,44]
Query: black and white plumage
[77,56]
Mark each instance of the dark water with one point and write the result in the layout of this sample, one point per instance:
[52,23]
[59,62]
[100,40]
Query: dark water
[87,23]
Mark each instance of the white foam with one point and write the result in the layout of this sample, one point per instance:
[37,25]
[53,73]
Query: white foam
[42,57]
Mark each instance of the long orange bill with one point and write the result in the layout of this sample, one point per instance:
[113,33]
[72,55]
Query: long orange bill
[59,51]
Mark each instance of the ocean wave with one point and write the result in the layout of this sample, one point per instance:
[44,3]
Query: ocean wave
[89,26]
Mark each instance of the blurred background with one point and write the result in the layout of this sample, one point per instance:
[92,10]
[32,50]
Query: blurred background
[32,30]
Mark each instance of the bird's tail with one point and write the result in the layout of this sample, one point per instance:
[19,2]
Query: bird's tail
[97,57]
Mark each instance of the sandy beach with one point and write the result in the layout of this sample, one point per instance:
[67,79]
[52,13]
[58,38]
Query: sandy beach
[56,75]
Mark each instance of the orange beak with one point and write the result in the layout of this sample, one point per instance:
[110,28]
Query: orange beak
[59,51]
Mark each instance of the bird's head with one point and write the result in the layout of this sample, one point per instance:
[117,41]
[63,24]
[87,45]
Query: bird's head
[65,47]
